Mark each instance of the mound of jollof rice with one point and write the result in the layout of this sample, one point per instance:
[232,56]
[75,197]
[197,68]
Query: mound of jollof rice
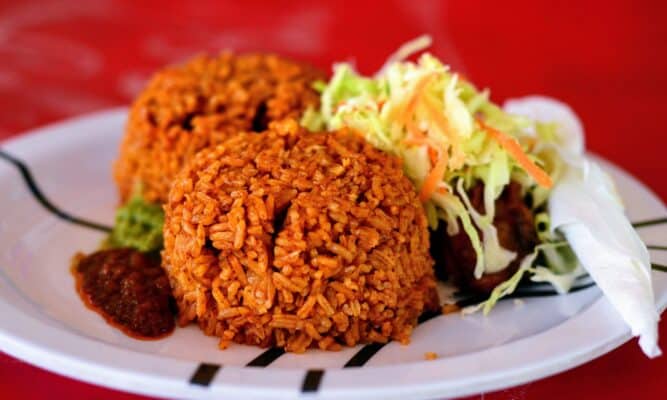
[189,107]
[298,240]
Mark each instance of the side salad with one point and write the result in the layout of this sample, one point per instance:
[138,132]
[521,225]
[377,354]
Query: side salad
[452,138]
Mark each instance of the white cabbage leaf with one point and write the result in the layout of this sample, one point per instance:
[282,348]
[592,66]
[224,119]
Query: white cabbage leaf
[585,208]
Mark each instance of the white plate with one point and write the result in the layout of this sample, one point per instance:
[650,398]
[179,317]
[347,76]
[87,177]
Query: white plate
[44,322]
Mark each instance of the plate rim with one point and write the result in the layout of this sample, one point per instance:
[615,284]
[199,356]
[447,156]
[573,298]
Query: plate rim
[125,376]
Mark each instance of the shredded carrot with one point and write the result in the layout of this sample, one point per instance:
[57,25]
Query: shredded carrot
[414,141]
[438,159]
[512,147]
[431,182]
[438,118]
[457,157]
[441,190]
[432,155]
[414,100]
[413,131]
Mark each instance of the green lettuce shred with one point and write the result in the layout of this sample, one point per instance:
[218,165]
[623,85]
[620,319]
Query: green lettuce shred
[509,286]
[561,271]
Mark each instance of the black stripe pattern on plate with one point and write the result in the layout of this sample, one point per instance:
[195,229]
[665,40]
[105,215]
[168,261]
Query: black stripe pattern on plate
[46,203]
[545,293]
[204,374]
[369,350]
[650,222]
[266,358]
[312,380]
[363,355]
[659,267]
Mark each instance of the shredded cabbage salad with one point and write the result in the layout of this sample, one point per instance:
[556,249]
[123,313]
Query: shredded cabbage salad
[449,136]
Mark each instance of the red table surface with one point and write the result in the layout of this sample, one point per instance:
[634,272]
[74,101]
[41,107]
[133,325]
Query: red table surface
[606,59]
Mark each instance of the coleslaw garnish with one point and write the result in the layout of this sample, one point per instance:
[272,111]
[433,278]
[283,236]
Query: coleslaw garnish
[444,130]
[450,136]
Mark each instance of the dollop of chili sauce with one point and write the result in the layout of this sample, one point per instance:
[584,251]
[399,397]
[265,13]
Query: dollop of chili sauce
[129,289]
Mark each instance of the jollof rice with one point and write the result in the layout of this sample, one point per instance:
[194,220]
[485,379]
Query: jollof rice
[189,107]
[297,240]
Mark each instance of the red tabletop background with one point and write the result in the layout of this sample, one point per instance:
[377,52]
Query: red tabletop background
[608,60]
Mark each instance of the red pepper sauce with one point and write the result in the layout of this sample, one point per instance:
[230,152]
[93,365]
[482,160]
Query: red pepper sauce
[129,289]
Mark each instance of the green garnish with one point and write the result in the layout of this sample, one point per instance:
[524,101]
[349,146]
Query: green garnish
[138,225]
